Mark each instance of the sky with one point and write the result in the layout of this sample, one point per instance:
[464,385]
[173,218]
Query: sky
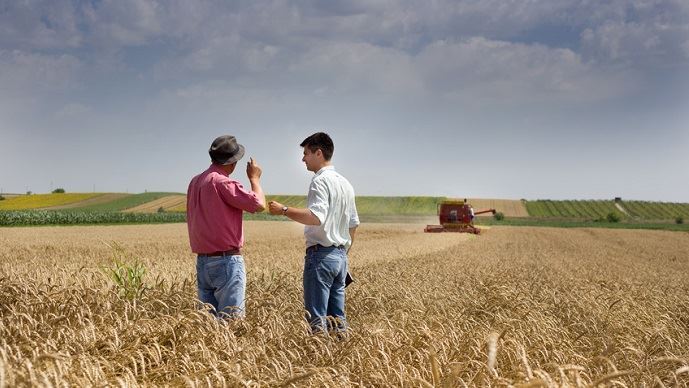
[540,99]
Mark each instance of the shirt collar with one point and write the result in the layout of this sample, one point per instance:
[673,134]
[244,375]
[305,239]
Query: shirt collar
[329,167]
[217,168]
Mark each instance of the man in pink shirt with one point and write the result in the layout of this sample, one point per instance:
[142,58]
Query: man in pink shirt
[215,204]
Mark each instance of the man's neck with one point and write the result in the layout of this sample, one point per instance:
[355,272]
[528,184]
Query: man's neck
[323,165]
[227,169]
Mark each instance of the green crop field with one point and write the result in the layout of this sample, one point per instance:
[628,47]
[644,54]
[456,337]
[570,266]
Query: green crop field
[656,210]
[370,205]
[597,209]
[287,200]
[587,209]
[578,223]
[61,217]
[398,205]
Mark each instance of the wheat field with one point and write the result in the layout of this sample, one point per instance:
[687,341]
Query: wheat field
[168,203]
[522,307]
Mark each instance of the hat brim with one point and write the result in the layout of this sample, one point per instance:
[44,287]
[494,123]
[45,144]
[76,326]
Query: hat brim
[233,158]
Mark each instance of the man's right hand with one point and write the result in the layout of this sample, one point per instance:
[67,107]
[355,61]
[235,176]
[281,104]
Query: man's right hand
[275,208]
[253,170]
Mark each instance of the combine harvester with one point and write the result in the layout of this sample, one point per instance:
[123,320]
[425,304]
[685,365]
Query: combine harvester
[456,216]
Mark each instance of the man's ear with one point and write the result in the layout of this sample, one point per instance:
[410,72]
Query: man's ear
[319,152]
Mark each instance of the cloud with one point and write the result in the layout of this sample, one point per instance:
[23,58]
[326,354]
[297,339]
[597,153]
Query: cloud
[389,46]
[476,69]
[36,24]
[29,83]
[655,44]
[485,68]
[348,67]
[486,48]
[124,22]
[72,110]
[24,72]
[223,54]
[209,34]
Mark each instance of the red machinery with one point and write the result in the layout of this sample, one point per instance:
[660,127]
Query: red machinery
[456,216]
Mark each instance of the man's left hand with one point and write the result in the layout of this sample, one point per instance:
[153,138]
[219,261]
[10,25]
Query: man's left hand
[275,208]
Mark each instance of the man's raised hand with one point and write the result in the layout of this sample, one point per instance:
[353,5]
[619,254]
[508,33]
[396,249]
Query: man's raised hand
[253,170]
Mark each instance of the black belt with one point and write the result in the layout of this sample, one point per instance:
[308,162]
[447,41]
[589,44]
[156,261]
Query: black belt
[317,247]
[232,252]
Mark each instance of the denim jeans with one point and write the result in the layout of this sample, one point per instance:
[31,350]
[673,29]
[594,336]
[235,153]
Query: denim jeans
[325,269]
[222,283]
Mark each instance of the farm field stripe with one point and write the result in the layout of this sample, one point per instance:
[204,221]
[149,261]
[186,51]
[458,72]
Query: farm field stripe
[37,201]
[97,200]
[166,202]
[126,202]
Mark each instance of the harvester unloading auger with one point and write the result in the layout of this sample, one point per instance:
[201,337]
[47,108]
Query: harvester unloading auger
[456,216]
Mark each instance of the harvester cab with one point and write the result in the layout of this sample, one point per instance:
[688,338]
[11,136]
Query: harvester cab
[456,216]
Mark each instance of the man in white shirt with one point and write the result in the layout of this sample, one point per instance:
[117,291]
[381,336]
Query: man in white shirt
[330,220]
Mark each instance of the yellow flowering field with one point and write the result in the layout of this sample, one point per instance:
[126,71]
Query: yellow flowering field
[37,201]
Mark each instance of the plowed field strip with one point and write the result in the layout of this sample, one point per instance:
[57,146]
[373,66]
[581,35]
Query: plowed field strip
[166,203]
[105,198]
[510,208]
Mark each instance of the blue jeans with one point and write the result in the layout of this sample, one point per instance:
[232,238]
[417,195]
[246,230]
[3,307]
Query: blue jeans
[325,269]
[222,283]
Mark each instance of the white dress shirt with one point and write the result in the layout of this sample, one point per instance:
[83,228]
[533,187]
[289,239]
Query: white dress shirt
[331,199]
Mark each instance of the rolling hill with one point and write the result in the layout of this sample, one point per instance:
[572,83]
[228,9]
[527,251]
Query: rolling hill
[371,208]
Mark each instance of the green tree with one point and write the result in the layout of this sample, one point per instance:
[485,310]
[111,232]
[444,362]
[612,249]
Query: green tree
[612,217]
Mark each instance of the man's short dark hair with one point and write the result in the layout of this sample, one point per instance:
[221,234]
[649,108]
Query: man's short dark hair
[320,141]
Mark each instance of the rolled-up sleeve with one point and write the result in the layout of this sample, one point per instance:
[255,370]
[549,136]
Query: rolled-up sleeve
[234,194]
[353,217]
[318,200]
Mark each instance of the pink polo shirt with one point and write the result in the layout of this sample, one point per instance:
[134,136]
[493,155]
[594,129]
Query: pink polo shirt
[214,211]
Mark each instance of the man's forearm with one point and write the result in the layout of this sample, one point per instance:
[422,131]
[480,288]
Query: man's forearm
[302,216]
[352,233]
[256,188]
